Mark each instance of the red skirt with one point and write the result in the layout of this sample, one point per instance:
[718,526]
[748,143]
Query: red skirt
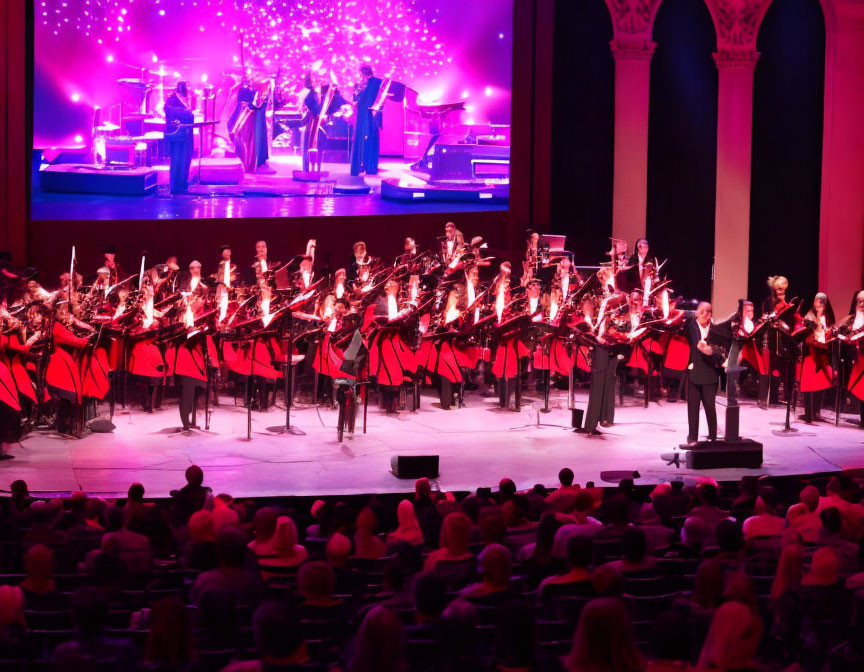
[856,378]
[677,356]
[506,360]
[390,358]
[439,357]
[94,373]
[63,375]
[8,389]
[816,371]
[328,359]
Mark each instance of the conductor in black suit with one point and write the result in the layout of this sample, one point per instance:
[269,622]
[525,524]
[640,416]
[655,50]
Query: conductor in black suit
[702,372]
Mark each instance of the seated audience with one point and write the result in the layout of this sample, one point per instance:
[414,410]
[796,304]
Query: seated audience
[579,554]
[366,543]
[604,640]
[278,639]
[455,541]
[495,563]
[286,551]
[39,590]
[170,643]
[230,581]
[263,545]
[764,522]
[380,643]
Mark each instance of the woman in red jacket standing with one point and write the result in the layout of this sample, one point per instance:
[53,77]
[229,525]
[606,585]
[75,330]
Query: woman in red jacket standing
[63,374]
[853,335]
[816,372]
[188,362]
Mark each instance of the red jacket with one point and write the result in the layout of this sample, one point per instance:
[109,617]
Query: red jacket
[63,373]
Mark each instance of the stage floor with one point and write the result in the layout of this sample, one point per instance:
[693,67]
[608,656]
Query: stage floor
[477,445]
[258,196]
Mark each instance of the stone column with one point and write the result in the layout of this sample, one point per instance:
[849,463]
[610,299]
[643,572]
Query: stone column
[841,229]
[734,144]
[632,85]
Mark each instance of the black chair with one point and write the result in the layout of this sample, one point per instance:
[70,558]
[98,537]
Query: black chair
[456,574]
[574,589]
[646,586]
[555,630]
[49,620]
[215,660]
[563,608]
[422,654]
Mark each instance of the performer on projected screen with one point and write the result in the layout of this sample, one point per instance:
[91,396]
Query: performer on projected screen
[179,132]
[247,126]
[364,153]
[313,119]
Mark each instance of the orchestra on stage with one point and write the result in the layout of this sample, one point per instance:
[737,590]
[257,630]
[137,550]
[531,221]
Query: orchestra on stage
[281,329]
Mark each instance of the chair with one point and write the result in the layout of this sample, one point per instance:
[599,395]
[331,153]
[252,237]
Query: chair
[648,607]
[555,630]
[574,589]
[422,653]
[216,659]
[49,620]
[646,586]
[563,608]
[456,573]
[606,550]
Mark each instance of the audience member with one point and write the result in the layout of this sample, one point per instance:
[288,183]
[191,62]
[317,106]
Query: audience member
[707,507]
[90,614]
[230,581]
[191,497]
[832,537]
[732,640]
[264,543]
[495,562]
[804,516]
[579,553]
[125,542]
[604,640]
[287,552]
[278,638]
[380,643]
[170,643]
[764,522]
[562,499]
[455,541]
[200,551]
[39,590]
[366,543]
[408,531]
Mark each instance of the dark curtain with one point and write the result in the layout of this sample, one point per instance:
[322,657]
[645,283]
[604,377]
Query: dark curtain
[583,119]
[787,148]
[682,145]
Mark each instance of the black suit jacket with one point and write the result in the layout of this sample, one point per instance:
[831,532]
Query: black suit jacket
[703,369]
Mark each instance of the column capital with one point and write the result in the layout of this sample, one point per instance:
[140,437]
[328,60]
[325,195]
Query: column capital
[736,58]
[632,50]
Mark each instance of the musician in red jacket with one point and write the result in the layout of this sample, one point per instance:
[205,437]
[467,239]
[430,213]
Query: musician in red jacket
[188,362]
[438,356]
[391,360]
[63,374]
[816,372]
[852,332]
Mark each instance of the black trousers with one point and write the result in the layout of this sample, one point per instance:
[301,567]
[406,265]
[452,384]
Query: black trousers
[703,395]
[601,395]
[389,398]
[813,404]
[190,391]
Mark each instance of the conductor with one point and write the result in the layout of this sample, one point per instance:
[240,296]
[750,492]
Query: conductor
[702,372]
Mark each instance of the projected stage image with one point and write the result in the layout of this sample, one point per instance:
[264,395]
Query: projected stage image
[164,109]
